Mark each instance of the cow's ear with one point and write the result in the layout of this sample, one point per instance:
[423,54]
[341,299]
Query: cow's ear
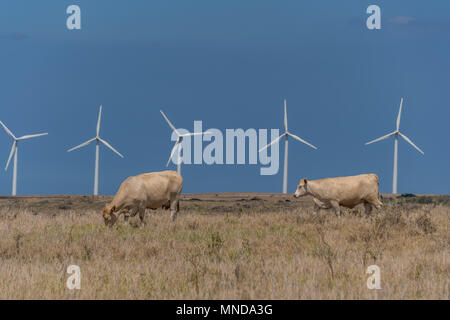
[305,181]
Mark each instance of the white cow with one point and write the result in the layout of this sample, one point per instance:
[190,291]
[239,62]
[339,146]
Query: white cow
[342,191]
[149,190]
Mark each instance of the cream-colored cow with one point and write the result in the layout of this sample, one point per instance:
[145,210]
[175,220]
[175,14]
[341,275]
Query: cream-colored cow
[149,190]
[342,191]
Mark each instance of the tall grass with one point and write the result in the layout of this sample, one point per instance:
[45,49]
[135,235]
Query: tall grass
[247,254]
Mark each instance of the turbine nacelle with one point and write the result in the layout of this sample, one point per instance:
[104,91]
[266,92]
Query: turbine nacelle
[177,146]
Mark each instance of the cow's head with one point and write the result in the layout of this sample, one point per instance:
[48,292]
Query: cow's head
[108,215]
[302,188]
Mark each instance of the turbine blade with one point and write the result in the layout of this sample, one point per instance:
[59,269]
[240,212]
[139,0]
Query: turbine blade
[170,123]
[285,116]
[173,151]
[32,136]
[109,146]
[82,145]
[99,119]
[273,142]
[399,114]
[381,138]
[195,133]
[411,143]
[301,140]
[7,130]
[13,149]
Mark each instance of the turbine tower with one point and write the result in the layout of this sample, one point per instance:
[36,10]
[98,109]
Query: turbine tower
[14,150]
[97,140]
[396,134]
[286,135]
[177,145]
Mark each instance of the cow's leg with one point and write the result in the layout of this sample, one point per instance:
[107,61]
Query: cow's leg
[318,205]
[316,209]
[166,206]
[130,213]
[125,213]
[336,207]
[133,211]
[377,203]
[368,208]
[174,206]
[141,211]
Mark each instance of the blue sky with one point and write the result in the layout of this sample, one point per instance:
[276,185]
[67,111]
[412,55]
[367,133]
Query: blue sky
[229,64]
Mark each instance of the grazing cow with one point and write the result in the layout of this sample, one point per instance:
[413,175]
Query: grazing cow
[342,191]
[149,190]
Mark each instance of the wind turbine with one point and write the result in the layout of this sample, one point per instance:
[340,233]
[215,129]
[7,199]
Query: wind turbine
[177,145]
[14,150]
[97,140]
[286,135]
[396,133]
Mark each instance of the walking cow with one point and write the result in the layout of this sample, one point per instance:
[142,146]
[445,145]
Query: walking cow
[342,191]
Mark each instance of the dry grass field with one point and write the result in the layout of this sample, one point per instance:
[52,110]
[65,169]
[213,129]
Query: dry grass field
[225,246]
